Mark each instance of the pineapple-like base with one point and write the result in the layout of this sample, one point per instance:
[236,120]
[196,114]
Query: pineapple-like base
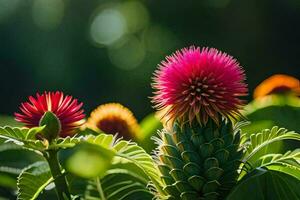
[199,162]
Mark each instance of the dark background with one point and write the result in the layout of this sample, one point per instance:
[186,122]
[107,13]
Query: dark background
[106,51]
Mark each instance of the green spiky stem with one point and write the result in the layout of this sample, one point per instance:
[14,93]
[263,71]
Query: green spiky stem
[199,162]
[60,180]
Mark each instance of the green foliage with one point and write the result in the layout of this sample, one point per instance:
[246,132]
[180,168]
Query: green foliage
[89,161]
[266,142]
[268,167]
[13,159]
[262,184]
[194,162]
[28,138]
[272,110]
[33,180]
[92,157]
[149,126]
[24,137]
[64,143]
[14,154]
[126,151]
[288,163]
[118,184]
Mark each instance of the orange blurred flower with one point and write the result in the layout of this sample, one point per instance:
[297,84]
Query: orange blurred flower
[278,83]
[113,118]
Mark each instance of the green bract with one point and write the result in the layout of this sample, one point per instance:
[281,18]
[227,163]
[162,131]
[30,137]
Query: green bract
[52,126]
[199,162]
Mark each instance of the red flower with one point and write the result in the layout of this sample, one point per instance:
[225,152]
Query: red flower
[66,109]
[199,83]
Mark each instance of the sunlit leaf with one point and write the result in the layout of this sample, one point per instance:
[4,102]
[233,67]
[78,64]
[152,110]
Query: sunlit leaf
[264,143]
[23,136]
[123,152]
[272,110]
[89,161]
[13,159]
[128,151]
[33,180]
[118,184]
[287,163]
[64,143]
[262,184]
[149,126]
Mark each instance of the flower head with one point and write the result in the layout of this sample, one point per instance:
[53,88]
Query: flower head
[278,83]
[196,83]
[113,118]
[65,108]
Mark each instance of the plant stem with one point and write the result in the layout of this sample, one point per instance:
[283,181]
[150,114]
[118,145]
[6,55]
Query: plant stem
[60,180]
[99,188]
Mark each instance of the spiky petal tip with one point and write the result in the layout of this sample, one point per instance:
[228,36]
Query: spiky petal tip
[66,108]
[196,83]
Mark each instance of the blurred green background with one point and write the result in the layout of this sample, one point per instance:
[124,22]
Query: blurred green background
[106,50]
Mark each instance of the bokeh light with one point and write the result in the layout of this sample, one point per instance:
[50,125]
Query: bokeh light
[136,15]
[159,39]
[128,54]
[108,26]
[8,8]
[48,14]
[97,49]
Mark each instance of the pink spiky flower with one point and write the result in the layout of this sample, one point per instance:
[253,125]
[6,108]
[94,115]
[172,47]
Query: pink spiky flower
[196,83]
[66,109]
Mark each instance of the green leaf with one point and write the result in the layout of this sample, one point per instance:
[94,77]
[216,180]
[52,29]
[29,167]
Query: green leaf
[14,156]
[26,137]
[129,152]
[262,184]
[23,136]
[124,152]
[287,163]
[267,142]
[13,159]
[89,161]
[64,143]
[7,181]
[118,184]
[33,180]
[266,112]
[149,126]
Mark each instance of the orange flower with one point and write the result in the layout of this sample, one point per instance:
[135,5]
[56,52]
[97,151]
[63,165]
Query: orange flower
[113,118]
[278,83]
